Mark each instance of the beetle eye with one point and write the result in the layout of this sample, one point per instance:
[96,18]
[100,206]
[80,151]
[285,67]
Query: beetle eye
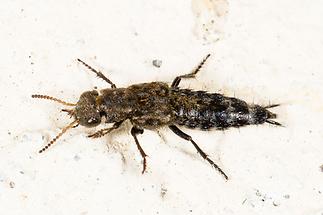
[92,120]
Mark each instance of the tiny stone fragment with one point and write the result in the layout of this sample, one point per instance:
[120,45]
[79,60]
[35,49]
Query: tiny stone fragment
[287,196]
[76,158]
[163,192]
[276,203]
[157,63]
[12,184]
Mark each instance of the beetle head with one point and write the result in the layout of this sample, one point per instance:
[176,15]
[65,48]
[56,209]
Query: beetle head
[85,112]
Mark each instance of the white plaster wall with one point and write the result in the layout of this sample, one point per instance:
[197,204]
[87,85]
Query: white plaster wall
[262,51]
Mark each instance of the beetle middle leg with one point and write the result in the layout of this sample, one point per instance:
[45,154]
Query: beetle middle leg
[185,136]
[134,132]
[98,73]
[105,131]
[177,80]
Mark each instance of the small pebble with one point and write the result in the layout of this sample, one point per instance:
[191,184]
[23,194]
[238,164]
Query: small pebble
[12,184]
[276,203]
[286,196]
[163,192]
[157,63]
[76,158]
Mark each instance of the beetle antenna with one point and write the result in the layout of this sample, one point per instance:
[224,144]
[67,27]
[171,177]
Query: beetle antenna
[72,125]
[53,99]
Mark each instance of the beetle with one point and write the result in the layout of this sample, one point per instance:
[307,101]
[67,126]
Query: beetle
[156,104]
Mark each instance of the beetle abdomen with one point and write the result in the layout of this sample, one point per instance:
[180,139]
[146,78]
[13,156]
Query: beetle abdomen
[199,109]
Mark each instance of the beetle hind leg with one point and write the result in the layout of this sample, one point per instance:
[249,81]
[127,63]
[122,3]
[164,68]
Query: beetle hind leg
[187,137]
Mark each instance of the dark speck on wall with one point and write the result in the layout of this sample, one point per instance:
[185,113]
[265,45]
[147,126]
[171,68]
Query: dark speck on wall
[12,184]
[157,63]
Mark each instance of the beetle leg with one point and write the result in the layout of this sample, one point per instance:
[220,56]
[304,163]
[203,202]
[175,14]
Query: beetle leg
[98,73]
[134,132]
[105,131]
[185,136]
[177,80]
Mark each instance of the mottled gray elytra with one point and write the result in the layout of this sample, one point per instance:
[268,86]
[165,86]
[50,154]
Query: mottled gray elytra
[156,104]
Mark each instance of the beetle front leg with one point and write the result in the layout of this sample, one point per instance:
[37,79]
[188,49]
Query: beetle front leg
[185,136]
[98,73]
[105,131]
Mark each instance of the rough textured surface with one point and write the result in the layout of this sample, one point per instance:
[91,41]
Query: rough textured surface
[265,52]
